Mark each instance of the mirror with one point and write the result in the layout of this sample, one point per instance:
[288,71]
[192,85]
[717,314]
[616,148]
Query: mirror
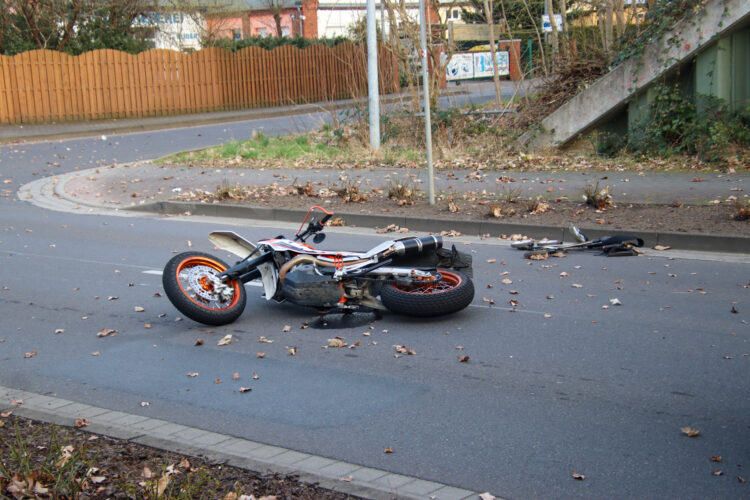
[318,238]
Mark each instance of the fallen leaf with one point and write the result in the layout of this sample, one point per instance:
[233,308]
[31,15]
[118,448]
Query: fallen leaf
[226,340]
[403,350]
[264,340]
[578,476]
[286,329]
[161,485]
[615,302]
[217,381]
[486,496]
[245,389]
[576,285]
[506,281]
[388,450]
[95,353]
[661,247]
[198,342]
[260,355]
[106,332]
[336,342]
[255,376]
[235,376]
[145,404]
[463,359]
[29,354]
[59,330]
[491,261]
[139,309]
[718,473]
[716,459]
[81,422]
[291,350]
[113,297]
[690,432]
[347,479]
[192,374]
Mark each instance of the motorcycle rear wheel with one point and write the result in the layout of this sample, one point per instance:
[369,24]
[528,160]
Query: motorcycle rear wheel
[187,283]
[451,293]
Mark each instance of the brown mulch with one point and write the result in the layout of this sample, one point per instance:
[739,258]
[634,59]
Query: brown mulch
[719,219]
[101,467]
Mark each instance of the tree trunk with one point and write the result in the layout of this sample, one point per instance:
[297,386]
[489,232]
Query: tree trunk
[277,20]
[553,24]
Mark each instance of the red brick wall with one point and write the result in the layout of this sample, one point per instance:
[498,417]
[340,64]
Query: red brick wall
[310,23]
[514,58]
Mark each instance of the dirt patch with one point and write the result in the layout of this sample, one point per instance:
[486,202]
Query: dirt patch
[34,466]
[707,219]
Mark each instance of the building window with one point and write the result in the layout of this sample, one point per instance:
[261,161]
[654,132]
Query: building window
[284,31]
[237,34]
[456,14]
[262,32]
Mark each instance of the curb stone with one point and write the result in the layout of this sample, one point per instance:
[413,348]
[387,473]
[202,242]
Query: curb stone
[366,482]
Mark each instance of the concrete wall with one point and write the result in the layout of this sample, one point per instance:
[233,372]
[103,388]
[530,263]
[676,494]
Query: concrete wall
[608,97]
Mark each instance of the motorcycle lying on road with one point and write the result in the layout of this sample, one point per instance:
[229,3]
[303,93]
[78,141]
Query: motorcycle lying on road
[413,276]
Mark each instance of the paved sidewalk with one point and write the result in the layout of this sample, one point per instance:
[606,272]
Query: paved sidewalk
[336,475]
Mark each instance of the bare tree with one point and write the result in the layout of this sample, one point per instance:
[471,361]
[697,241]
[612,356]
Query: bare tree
[201,11]
[405,40]
[276,7]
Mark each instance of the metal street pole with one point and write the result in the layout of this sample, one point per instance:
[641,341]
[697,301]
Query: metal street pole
[372,77]
[426,94]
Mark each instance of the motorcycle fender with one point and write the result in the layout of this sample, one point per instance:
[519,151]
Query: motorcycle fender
[232,242]
[270,277]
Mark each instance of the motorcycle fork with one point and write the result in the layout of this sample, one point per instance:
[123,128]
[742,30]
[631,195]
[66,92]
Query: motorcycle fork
[246,270]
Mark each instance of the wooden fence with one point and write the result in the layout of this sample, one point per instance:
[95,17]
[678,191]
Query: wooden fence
[46,86]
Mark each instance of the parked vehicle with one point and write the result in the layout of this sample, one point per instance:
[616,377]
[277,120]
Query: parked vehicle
[413,276]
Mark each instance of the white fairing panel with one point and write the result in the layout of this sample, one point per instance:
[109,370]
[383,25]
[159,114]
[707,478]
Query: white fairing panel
[270,277]
[231,242]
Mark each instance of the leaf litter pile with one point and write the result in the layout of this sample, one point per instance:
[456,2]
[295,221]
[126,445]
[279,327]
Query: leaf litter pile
[496,198]
[40,460]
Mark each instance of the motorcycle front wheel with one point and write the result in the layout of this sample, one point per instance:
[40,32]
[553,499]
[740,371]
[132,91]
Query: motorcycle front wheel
[189,280]
[451,293]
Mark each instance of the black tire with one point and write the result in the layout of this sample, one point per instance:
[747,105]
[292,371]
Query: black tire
[200,303]
[453,292]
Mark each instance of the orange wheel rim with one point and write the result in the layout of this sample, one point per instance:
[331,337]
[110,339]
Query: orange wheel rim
[202,291]
[448,281]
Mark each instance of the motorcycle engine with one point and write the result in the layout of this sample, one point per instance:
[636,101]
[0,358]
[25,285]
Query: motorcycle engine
[304,287]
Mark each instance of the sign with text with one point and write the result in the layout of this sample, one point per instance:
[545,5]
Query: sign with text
[483,64]
[467,65]
[460,67]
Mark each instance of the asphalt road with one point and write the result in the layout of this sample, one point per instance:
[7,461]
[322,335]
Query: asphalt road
[555,384]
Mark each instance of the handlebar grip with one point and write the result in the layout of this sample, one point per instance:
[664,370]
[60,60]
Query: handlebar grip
[325,219]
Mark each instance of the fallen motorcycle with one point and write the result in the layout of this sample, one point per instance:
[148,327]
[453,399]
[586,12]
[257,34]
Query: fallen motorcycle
[412,276]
